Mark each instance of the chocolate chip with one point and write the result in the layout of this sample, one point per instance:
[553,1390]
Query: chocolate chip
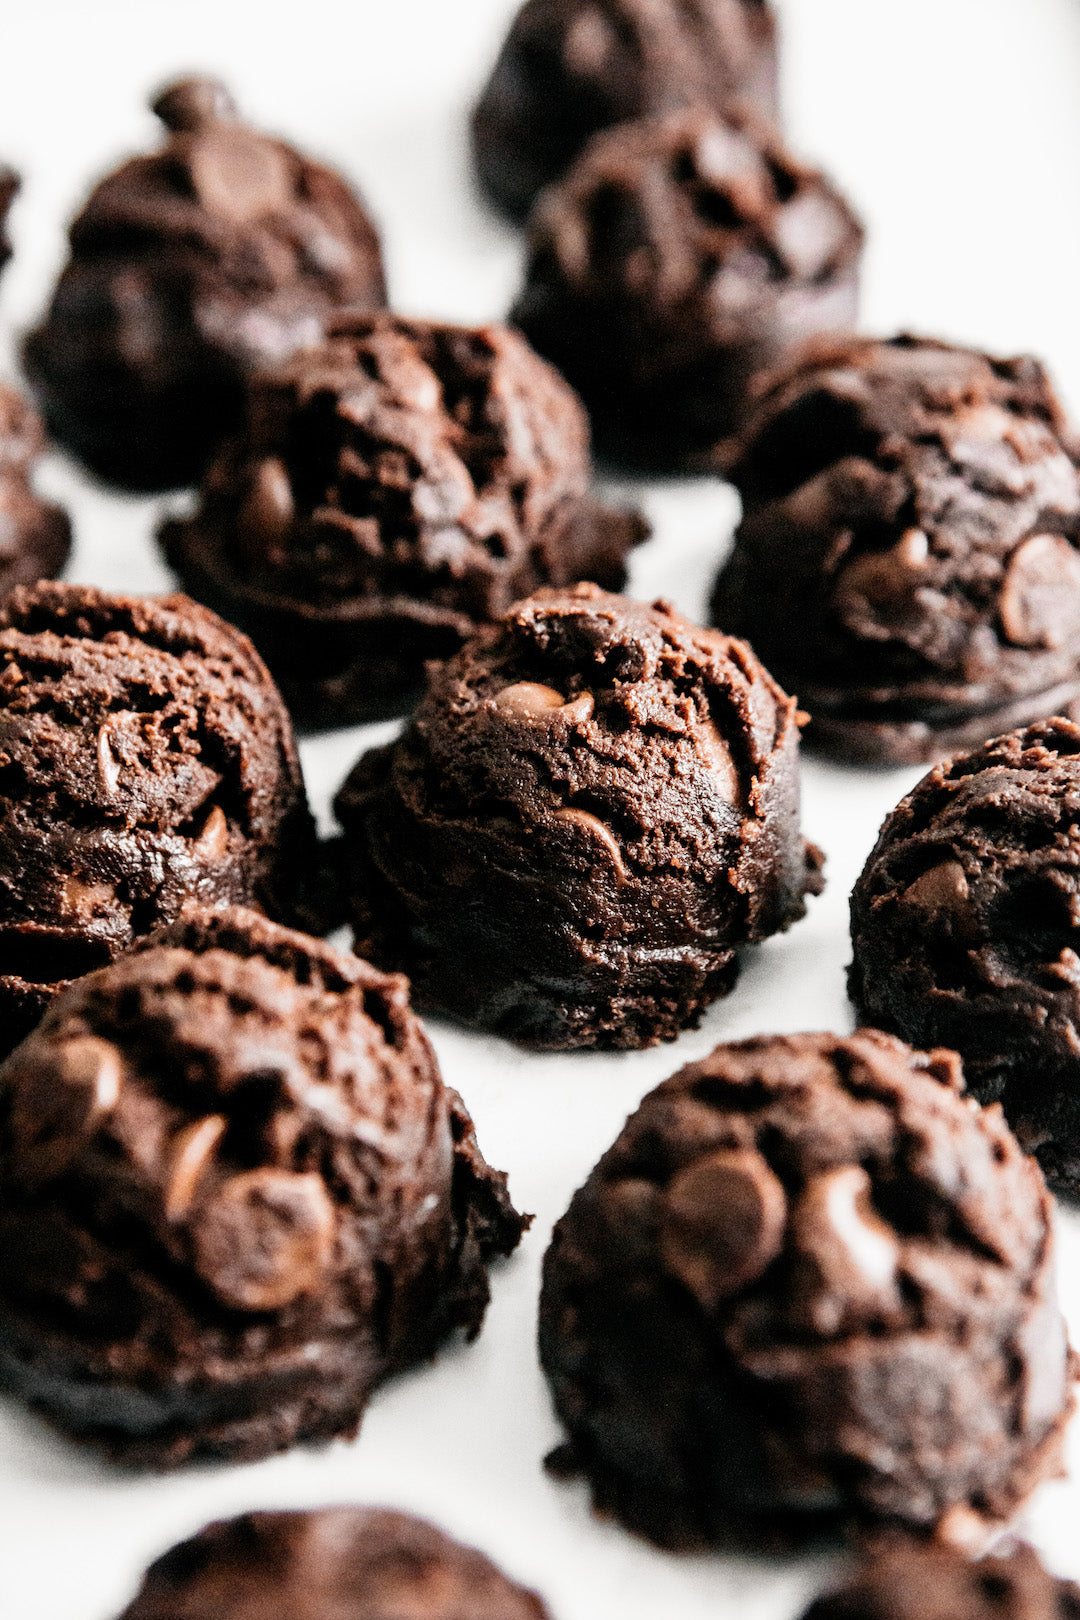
[593,827]
[213,841]
[853,1254]
[91,1067]
[265,1238]
[1040,599]
[940,888]
[527,700]
[723,1223]
[883,582]
[192,1155]
[193,103]
[267,511]
[237,174]
[107,763]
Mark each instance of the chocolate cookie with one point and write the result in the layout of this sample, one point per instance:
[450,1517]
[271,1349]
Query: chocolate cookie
[190,269]
[939,1583]
[395,489]
[35,535]
[964,930]
[9,189]
[332,1564]
[594,807]
[235,1195]
[571,67]
[811,1282]
[678,257]
[145,760]
[909,556]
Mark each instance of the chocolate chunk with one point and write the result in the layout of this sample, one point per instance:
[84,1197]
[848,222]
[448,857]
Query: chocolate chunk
[810,1286]
[397,487]
[235,1195]
[939,1583]
[145,761]
[574,768]
[909,555]
[332,1564]
[964,925]
[191,270]
[571,67]
[676,258]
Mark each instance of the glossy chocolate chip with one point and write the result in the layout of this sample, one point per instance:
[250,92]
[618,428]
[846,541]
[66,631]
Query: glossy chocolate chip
[723,1222]
[265,1238]
[1040,599]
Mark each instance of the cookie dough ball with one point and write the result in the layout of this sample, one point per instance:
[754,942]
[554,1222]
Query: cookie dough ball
[332,1564]
[939,1583]
[35,535]
[146,760]
[571,67]
[191,269]
[678,257]
[909,556]
[592,810]
[964,928]
[235,1195]
[811,1283]
[395,489]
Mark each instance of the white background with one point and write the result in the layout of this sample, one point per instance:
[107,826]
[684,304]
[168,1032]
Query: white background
[955,127]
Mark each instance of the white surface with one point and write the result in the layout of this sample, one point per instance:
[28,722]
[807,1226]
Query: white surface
[955,125]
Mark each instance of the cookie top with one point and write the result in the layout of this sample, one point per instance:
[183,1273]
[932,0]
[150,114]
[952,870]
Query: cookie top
[192,267]
[939,1583]
[912,521]
[402,474]
[241,1167]
[675,258]
[617,791]
[360,1563]
[844,1302]
[963,925]
[571,67]
[146,760]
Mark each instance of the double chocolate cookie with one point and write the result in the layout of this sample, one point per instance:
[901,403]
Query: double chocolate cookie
[331,1564]
[939,1583]
[35,535]
[909,556]
[146,760]
[571,67]
[678,257]
[811,1282]
[190,269]
[964,928]
[235,1195]
[395,488]
[592,810]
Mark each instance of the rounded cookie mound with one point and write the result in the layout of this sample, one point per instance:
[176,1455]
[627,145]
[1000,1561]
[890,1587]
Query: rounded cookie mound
[940,1583]
[396,487]
[811,1282]
[35,535]
[146,760]
[593,808]
[964,929]
[571,67]
[909,556]
[234,1195]
[678,257]
[368,1563]
[191,269]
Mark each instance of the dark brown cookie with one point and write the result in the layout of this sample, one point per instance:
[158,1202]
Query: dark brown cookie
[594,807]
[964,928]
[571,67]
[396,488]
[190,269]
[332,1564]
[676,258]
[939,1583]
[909,556]
[146,760]
[810,1283]
[9,189]
[235,1195]
[35,535]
